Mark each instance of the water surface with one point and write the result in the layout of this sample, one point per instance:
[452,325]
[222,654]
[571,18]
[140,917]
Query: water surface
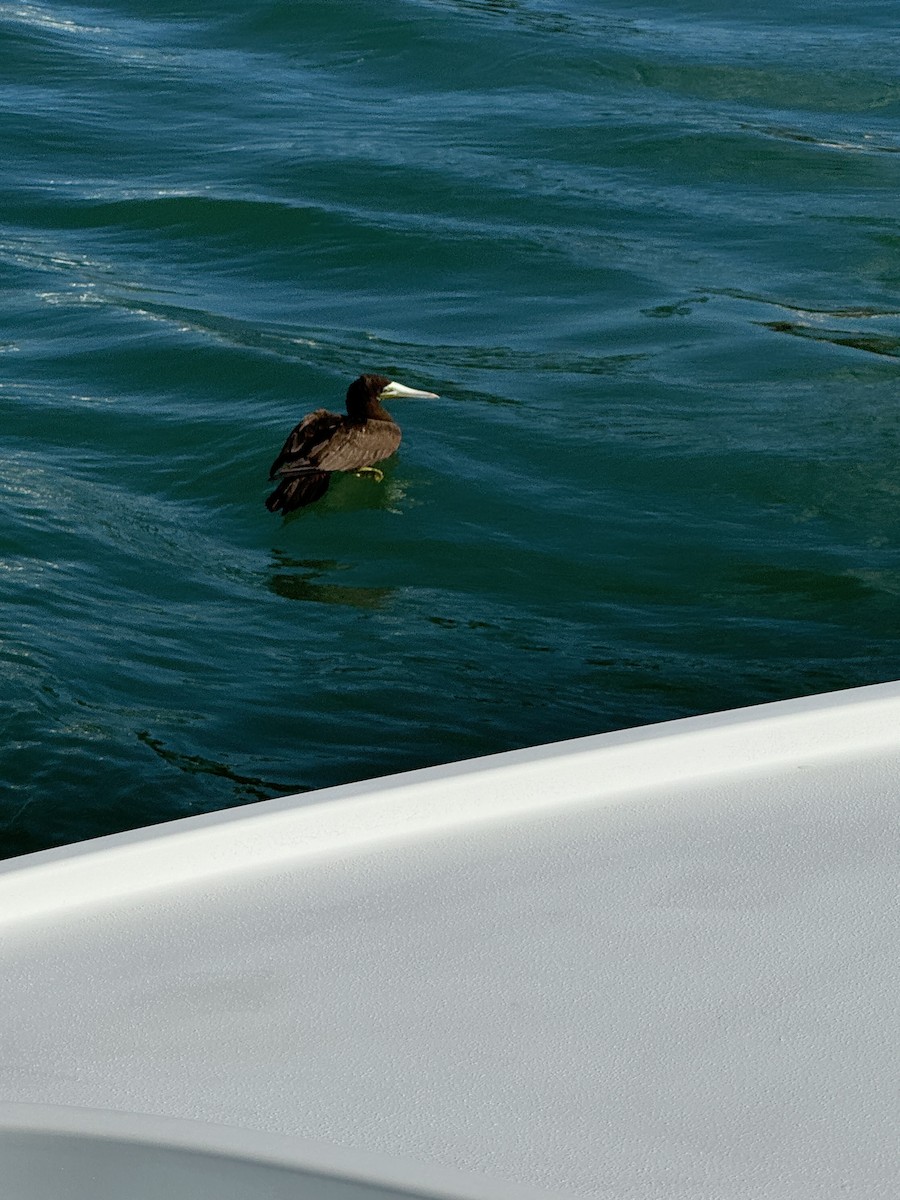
[648,255]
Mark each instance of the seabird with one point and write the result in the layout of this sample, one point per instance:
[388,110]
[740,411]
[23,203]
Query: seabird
[324,442]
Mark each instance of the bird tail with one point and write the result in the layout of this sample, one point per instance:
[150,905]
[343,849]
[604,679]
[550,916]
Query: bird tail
[297,491]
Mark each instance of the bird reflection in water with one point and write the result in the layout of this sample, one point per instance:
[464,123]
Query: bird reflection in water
[305,579]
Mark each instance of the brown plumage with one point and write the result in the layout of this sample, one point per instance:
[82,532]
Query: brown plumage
[324,442]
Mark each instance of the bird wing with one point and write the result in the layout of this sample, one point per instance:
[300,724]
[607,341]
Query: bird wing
[324,441]
[311,435]
[353,446]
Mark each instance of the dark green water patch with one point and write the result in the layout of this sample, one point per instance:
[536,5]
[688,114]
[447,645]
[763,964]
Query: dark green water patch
[245,787]
[871,343]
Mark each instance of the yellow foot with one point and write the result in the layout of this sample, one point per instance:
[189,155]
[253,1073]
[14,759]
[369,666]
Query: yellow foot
[373,471]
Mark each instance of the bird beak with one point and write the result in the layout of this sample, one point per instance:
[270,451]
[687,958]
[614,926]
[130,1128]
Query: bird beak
[396,391]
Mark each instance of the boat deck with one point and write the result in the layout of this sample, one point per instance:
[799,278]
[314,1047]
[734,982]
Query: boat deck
[659,963]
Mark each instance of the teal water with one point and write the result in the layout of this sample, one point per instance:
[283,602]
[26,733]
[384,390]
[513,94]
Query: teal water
[649,256]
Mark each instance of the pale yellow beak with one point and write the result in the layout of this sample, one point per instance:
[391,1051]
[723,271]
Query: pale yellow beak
[396,391]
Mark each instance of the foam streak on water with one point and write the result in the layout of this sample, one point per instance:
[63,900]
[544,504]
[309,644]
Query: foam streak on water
[649,257]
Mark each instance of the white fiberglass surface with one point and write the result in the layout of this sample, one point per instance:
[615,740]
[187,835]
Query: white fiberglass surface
[686,990]
[50,1167]
[53,1153]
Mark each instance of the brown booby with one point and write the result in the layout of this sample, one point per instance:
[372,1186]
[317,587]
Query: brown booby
[325,442]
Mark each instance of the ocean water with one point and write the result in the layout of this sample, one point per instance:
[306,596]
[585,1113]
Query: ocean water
[649,256]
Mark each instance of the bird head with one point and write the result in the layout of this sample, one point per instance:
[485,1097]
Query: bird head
[364,395]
